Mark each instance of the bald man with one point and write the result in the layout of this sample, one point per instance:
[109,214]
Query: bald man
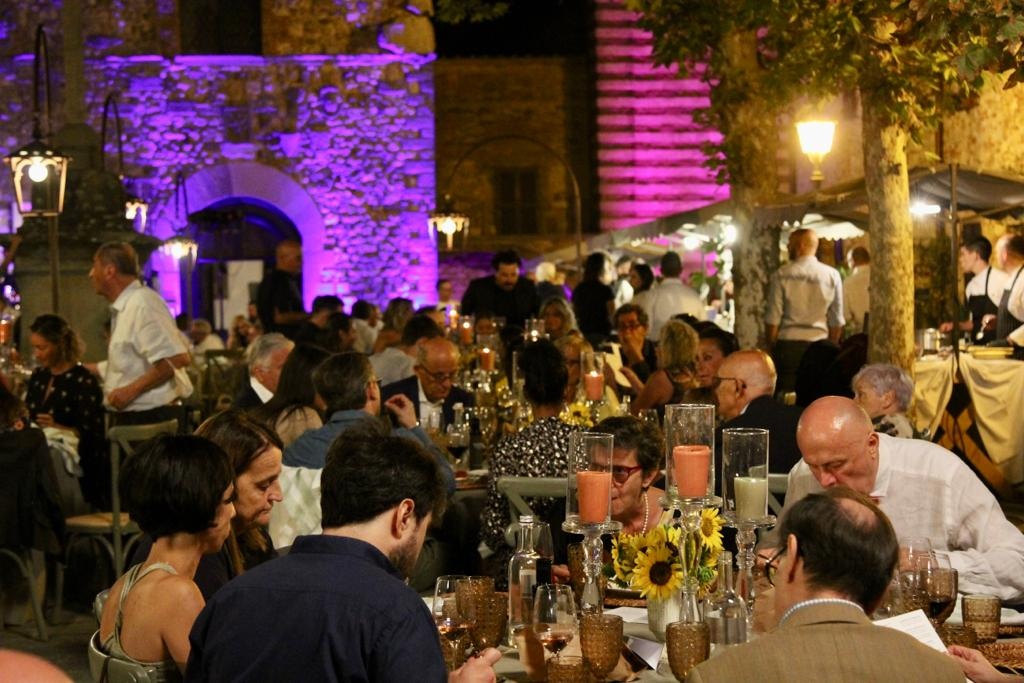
[805,304]
[279,298]
[744,386]
[1009,319]
[432,388]
[923,488]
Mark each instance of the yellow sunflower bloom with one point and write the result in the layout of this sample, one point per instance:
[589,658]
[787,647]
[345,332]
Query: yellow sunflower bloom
[657,573]
[711,529]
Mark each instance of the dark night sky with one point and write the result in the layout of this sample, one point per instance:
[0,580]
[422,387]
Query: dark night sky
[531,27]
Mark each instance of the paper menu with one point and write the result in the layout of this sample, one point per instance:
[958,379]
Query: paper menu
[915,624]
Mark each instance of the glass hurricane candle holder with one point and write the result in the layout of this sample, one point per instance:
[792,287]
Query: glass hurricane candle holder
[592,369]
[467,326]
[690,447]
[487,351]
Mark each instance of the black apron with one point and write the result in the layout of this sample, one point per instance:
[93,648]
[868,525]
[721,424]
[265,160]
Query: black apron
[979,306]
[1005,322]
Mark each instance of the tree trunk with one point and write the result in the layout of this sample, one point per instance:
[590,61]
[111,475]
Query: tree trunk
[750,143]
[891,322]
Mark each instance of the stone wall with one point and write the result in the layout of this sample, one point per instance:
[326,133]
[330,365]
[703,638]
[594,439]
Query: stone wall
[355,131]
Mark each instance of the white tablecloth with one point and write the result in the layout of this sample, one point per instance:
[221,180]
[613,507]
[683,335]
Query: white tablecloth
[997,391]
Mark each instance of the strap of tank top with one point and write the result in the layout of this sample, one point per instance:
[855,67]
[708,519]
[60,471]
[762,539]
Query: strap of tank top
[134,575]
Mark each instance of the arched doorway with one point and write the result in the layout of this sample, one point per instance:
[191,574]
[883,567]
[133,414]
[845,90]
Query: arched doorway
[242,209]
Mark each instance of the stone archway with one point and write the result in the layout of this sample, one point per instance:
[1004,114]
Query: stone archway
[249,179]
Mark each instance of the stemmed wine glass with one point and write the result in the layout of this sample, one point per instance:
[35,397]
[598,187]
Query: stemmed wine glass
[554,616]
[915,557]
[458,445]
[939,584]
[453,621]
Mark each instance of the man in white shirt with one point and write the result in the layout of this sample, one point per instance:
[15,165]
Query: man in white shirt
[1010,316]
[805,305]
[671,297]
[200,334]
[983,292]
[856,302]
[144,378]
[924,489]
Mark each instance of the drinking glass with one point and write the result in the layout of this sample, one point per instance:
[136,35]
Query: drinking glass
[470,595]
[688,645]
[458,445]
[982,613]
[566,670]
[487,419]
[915,557]
[601,642]
[452,624]
[491,621]
[554,616]
[939,582]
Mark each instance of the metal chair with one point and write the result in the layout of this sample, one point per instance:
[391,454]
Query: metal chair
[106,669]
[777,485]
[98,526]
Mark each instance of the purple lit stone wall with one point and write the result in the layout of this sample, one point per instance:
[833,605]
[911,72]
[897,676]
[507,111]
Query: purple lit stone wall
[351,135]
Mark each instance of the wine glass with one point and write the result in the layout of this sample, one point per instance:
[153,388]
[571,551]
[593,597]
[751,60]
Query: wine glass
[915,555]
[452,623]
[458,445]
[487,419]
[601,642]
[939,584]
[554,616]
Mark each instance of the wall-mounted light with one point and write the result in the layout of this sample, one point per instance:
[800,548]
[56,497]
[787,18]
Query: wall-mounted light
[816,143]
[447,221]
[134,206]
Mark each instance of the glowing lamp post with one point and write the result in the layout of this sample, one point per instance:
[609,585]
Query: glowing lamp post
[39,170]
[134,205]
[816,143]
[181,247]
[448,222]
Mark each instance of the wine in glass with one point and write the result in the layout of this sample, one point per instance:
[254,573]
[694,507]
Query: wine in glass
[452,623]
[554,616]
[939,584]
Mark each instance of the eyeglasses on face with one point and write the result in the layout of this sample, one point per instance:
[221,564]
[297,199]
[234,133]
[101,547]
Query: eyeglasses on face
[771,566]
[440,377]
[621,473]
[628,325]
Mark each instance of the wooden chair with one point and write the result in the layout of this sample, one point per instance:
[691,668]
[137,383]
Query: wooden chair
[108,529]
[222,377]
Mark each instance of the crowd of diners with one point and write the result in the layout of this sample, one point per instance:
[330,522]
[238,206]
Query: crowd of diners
[347,395]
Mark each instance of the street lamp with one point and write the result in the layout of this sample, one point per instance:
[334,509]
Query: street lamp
[816,143]
[39,170]
[181,247]
[134,206]
[445,219]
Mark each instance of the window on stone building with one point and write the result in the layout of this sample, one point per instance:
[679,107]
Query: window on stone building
[213,27]
[515,201]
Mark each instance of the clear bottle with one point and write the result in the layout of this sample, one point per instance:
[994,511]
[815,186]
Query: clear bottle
[725,612]
[522,578]
[458,439]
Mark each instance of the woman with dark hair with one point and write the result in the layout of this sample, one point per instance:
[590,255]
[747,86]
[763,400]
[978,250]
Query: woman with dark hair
[641,277]
[254,455]
[539,450]
[294,408]
[593,299]
[179,492]
[65,398]
[396,315]
[715,344]
[636,464]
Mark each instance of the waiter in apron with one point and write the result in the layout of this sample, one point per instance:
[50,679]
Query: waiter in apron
[982,292]
[1009,318]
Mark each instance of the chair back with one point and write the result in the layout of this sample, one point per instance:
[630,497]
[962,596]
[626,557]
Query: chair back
[106,669]
[777,485]
[516,489]
[298,513]
[223,375]
[123,442]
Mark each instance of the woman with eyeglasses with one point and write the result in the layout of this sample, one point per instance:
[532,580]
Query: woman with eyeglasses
[636,466]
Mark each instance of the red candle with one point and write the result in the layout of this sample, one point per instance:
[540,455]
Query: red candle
[691,464]
[486,359]
[594,490]
[593,386]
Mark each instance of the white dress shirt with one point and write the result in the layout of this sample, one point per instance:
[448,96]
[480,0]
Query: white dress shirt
[997,282]
[143,333]
[670,297]
[856,302]
[805,300]
[927,491]
[392,364]
[1016,303]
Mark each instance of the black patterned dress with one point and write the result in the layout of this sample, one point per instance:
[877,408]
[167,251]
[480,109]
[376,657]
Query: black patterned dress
[74,399]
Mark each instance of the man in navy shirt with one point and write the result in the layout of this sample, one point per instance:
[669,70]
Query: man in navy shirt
[336,608]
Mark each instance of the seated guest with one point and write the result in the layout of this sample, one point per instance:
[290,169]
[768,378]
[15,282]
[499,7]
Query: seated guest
[366,322]
[636,464]
[431,388]
[254,454]
[65,400]
[923,488]
[835,558]
[179,491]
[397,313]
[242,332]
[396,362]
[266,356]
[978,669]
[293,409]
[676,373]
[539,450]
[203,338]
[337,606]
[351,394]
[559,320]
[310,329]
[636,351]
[339,335]
[745,384]
[884,392]
[715,345]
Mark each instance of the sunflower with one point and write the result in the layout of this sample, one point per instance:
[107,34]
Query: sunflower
[657,573]
[711,529]
[576,414]
[624,551]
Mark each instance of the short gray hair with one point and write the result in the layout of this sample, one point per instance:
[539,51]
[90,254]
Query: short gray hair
[884,378]
[264,346]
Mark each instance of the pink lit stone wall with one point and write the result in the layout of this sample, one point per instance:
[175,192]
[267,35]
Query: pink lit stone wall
[650,161]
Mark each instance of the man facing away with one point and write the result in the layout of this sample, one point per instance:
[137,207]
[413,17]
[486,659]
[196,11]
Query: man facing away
[337,608]
[805,304]
[924,489]
[1009,317]
[835,558]
[144,378]
[671,297]
[503,294]
[856,286]
[279,298]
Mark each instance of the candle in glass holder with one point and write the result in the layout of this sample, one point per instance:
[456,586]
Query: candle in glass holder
[691,464]
[486,359]
[466,331]
[751,497]
[453,318]
[593,386]
[594,493]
